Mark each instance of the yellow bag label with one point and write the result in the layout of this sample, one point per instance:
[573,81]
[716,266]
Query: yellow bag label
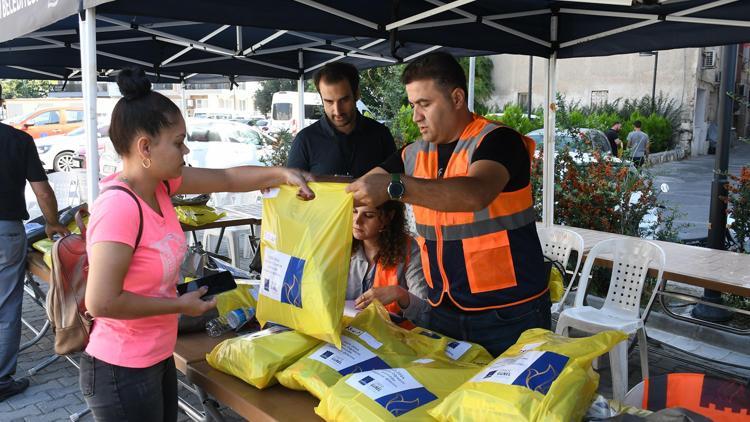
[370,342]
[197,215]
[430,344]
[543,377]
[556,287]
[306,248]
[398,394]
[255,358]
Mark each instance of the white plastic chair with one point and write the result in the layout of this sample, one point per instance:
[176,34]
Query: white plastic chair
[235,235]
[557,243]
[631,259]
[66,186]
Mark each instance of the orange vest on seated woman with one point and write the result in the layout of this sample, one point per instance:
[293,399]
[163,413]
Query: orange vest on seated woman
[487,259]
[388,276]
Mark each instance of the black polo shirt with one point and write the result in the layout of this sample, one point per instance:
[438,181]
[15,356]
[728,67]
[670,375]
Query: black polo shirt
[19,162]
[321,149]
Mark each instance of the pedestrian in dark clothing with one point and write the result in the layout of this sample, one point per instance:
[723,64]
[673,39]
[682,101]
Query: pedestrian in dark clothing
[343,142]
[19,162]
[613,136]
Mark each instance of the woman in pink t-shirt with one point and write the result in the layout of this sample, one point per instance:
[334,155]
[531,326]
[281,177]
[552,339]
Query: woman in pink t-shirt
[135,246]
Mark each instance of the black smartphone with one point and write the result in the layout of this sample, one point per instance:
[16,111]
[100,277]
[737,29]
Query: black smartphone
[217,283]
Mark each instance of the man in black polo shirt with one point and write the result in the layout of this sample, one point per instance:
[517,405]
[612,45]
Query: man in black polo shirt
[19,162]
[343,142]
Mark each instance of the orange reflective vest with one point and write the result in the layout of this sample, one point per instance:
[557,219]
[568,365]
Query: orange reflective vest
[480,260]
[714,398]
[389,276]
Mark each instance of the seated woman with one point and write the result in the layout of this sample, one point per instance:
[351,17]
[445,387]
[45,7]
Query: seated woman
[385,263]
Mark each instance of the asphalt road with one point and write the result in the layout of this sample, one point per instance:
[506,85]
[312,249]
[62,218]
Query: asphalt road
[689,183]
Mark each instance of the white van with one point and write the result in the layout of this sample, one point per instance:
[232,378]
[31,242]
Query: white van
[284,110]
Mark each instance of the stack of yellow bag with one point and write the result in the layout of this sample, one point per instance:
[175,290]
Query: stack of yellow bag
[370,341]
[430,344]
[306,247]
[255,358]
[399,394]
[244,296]
[543,377]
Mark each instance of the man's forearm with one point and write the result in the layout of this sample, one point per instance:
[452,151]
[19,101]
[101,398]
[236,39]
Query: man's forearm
[456,194]
[48,205]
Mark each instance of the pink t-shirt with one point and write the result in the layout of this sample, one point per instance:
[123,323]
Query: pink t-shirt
[153,272]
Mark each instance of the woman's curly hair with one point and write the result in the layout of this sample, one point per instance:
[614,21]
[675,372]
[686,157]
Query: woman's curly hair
[392,240]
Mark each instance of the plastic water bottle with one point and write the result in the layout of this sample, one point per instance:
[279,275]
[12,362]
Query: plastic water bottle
[239,317]
[233,320]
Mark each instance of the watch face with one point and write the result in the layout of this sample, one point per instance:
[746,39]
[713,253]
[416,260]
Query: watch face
[396,190]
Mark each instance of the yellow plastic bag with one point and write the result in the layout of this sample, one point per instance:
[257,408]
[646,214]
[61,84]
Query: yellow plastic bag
[197,215]
[306,247]
[556,287]
[244,296]
[543,377]
[371,341]
[255,358]
[437,346]
[399,394]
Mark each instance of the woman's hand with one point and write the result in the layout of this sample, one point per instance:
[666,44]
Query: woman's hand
[191,303]
[300,178]
[385,295]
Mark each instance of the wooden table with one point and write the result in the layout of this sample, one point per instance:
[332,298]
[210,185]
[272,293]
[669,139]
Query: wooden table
[237,215]
[271,404]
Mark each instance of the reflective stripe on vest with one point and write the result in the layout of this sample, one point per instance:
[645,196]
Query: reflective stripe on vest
[487,265]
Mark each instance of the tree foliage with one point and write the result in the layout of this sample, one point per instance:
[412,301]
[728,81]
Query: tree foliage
[483,86]
[21,88]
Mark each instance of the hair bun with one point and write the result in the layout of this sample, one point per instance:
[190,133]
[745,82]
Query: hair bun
[133,83]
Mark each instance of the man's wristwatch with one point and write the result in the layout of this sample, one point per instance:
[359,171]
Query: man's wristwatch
[396,189]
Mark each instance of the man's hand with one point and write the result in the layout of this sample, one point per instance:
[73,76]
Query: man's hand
[384,295]
[371,189]
[55,228]
[296,177]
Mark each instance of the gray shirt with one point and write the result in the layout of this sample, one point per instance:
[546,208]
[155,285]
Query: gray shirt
[637,142]
[412,279]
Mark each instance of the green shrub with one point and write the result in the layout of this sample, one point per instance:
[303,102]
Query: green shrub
[403,128]
[517,118]
[282,141]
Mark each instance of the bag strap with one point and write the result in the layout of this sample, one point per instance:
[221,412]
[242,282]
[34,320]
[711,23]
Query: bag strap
[140,210]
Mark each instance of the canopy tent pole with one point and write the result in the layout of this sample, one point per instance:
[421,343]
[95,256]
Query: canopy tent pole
[472,71]
[301,94]
[183,99]
[87,27]
[548,169]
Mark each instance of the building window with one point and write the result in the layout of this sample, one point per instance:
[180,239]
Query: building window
[201,102]
[599,97]
[523,99]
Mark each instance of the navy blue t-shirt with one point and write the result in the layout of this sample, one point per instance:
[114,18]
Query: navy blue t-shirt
[323,150]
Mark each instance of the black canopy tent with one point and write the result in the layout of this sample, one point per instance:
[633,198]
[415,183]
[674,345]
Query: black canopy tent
[227,36]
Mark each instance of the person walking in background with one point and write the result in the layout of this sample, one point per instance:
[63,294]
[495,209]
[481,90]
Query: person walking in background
[638,144]
[613,136]
[343,142]
[19,162]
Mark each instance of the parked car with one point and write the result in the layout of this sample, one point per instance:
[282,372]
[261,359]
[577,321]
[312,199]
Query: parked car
[213,143]
[49,121]
[595,137]
[58,152]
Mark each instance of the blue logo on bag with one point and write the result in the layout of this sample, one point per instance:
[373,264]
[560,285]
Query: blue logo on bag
[405,401]
[542,373]
[291,291]
[366,380]
[368,365]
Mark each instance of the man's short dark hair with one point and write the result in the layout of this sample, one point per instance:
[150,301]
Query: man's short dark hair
[338,71]
[617,122]
[637,124]
[440,67]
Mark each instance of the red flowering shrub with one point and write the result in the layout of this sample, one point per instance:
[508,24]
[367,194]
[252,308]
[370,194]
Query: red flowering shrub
[738,198]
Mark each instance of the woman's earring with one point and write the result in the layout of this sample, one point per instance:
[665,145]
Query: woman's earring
[146,163]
